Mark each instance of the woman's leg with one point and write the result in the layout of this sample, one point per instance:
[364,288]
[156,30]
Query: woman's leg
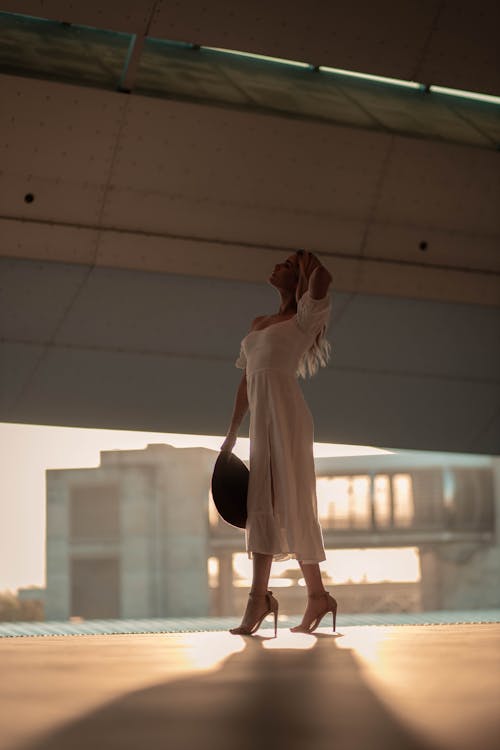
[261,572]
[256,606]
[312,575]
[314,583]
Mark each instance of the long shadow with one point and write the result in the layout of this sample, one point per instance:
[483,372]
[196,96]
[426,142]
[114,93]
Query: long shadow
[285,699]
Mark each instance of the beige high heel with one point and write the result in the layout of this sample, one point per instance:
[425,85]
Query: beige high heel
[272,607]
[331,606]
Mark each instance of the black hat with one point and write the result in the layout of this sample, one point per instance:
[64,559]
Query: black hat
[229,489]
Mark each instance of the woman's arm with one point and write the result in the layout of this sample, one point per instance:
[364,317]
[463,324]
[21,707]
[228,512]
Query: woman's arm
[319,282]
[240,406]
[241,400]
[313,276]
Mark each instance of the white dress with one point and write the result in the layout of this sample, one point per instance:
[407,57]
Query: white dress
[282,513]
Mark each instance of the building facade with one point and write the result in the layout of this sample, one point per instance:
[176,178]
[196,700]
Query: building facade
[129,538]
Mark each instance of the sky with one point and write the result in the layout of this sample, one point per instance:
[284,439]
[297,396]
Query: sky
[27,450]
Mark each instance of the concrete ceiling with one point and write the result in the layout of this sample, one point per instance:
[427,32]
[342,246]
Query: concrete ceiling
[137,234]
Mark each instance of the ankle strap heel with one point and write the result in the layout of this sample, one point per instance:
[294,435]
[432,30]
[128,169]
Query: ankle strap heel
[273,606]
[331,606]
[256,595]
[318,596]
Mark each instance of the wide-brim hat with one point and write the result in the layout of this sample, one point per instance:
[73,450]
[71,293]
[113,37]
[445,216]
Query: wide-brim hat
[230,488]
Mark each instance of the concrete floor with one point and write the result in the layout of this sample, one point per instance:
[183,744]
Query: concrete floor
[406,687]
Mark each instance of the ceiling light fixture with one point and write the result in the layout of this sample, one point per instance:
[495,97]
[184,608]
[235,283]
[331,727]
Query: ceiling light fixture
[369,77]
[259,57]
[466,94]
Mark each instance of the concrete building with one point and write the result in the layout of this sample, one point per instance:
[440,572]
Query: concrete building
[133,537]
[129,537]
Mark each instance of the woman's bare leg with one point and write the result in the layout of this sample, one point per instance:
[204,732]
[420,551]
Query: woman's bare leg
[256,606]
[261,572]
[312,575]
[314,583]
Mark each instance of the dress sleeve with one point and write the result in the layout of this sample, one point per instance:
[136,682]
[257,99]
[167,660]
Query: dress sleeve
[313,314]
[241,362]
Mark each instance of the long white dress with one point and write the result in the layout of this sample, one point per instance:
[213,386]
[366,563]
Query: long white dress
[282,513]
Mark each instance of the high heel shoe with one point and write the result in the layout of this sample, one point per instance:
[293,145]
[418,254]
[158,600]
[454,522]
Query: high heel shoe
[331,606]
[272,607]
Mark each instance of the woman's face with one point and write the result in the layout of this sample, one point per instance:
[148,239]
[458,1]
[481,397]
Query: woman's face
[286,274]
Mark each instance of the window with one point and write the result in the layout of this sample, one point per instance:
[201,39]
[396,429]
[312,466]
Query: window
[345,502]
[402,496]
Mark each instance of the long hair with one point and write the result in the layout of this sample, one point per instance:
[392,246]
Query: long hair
[319,352]
[316,356]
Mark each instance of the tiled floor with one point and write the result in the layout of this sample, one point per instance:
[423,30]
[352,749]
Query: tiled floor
[362,688]
[204,624]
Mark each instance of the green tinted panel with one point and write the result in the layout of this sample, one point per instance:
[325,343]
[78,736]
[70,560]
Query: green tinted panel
[171,68]
[39,48]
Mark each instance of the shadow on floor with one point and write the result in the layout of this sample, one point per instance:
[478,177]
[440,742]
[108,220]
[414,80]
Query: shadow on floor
[258,698]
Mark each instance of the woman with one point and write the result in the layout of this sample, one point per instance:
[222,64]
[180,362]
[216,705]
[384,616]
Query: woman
[282,512]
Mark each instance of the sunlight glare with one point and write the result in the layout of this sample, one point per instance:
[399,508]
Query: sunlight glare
[342,566]
[364,641]
[208,651]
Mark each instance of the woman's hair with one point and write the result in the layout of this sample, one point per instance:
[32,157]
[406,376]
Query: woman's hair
[316,356]
[319,352]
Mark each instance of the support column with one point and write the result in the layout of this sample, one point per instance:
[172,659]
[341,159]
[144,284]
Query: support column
[430,583]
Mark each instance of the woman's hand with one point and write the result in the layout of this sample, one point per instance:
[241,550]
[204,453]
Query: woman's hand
[228,444]
[307,263]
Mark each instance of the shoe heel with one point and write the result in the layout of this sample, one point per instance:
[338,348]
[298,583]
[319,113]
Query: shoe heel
[334,613]
[275,621]
[333,603]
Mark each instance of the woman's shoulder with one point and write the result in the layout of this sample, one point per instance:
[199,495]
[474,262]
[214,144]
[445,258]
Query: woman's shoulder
[256,321]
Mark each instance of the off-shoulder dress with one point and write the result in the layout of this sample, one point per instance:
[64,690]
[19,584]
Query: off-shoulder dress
[282,514]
